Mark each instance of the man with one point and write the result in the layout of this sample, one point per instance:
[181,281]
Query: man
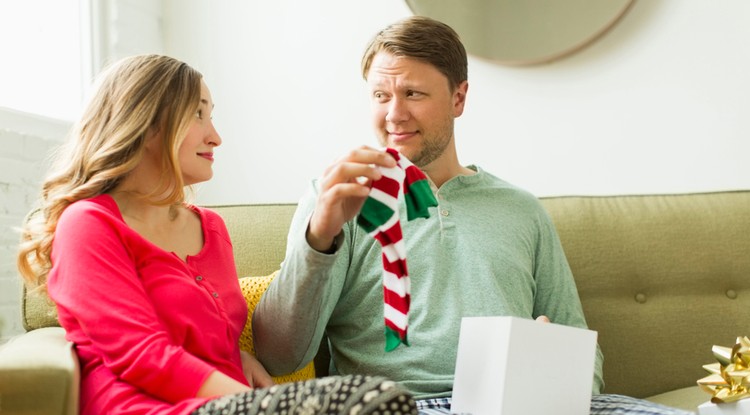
[488,248]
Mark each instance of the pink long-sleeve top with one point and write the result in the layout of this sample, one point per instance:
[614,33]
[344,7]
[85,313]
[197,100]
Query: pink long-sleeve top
[148,327]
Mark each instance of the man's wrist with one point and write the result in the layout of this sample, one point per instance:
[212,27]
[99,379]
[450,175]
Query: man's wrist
[322,245]
[332,248]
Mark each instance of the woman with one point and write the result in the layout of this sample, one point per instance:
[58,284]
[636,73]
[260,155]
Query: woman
[145,284]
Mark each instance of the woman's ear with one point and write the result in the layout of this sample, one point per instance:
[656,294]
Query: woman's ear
[151,138]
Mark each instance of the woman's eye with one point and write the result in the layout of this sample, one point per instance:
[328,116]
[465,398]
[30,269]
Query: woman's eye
[199,114]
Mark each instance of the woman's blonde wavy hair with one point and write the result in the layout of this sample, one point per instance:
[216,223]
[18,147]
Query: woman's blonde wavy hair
[133,96]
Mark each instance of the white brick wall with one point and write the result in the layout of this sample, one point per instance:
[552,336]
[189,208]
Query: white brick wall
[124,27]
[22,166]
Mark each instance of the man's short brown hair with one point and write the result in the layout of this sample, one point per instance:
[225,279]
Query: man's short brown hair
[424,39]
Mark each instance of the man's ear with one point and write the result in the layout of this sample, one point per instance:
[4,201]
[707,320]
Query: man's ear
[459,98]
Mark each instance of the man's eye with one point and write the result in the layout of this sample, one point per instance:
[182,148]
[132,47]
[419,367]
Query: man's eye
[380,96]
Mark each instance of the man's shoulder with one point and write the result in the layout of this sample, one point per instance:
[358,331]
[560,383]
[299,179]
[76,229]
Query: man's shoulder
[505,188]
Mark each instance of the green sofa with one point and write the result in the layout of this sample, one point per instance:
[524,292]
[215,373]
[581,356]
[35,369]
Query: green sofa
[662,279]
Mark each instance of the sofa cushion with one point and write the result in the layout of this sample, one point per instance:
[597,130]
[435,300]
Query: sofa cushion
[258,233]
[662,278]
[253,288]
[686,398]
[37,310]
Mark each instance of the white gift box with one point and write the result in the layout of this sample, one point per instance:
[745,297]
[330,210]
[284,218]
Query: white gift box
[741,407]
[512,366]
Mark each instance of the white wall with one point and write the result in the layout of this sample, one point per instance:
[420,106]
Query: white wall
[657,105]
[285,79]
[26,142]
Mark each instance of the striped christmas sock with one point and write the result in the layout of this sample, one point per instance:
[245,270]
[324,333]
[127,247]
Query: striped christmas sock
[379,218]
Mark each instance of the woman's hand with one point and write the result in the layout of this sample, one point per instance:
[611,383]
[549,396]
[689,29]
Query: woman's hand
[255,373]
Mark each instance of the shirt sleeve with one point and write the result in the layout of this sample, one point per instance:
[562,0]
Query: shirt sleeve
[290,319]
[95,283]
[556,293]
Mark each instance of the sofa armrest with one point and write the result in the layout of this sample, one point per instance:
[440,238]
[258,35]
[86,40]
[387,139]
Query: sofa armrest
[39,374]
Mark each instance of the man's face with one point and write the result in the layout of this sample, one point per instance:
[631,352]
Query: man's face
[413,107]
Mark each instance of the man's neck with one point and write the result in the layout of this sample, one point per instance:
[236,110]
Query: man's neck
[446,167]
[441,174]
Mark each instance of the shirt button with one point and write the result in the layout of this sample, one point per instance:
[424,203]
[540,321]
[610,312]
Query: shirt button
[199,278]
[216,295]
[731,294]
[640,298]
[444,212]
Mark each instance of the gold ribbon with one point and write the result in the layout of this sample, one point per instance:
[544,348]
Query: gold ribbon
[729,380]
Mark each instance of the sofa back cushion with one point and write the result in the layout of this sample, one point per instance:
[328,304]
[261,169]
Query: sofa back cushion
[37,311]
[258,234]
[662,278]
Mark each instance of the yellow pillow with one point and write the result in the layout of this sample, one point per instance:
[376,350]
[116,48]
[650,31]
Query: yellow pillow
[252,289]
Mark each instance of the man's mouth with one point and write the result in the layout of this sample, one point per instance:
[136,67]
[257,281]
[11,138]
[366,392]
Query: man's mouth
[400,136]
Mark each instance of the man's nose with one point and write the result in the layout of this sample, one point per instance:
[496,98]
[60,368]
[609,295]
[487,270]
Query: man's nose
[397,111]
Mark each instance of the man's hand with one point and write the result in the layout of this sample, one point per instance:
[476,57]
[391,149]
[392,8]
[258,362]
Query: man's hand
[256,374]
[344,187]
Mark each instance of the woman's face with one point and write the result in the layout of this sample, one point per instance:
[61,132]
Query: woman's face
[196,153]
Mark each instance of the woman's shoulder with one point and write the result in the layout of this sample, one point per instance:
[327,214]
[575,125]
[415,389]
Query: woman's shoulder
[87,221]
[211,221]
[101,206]
[208,216]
